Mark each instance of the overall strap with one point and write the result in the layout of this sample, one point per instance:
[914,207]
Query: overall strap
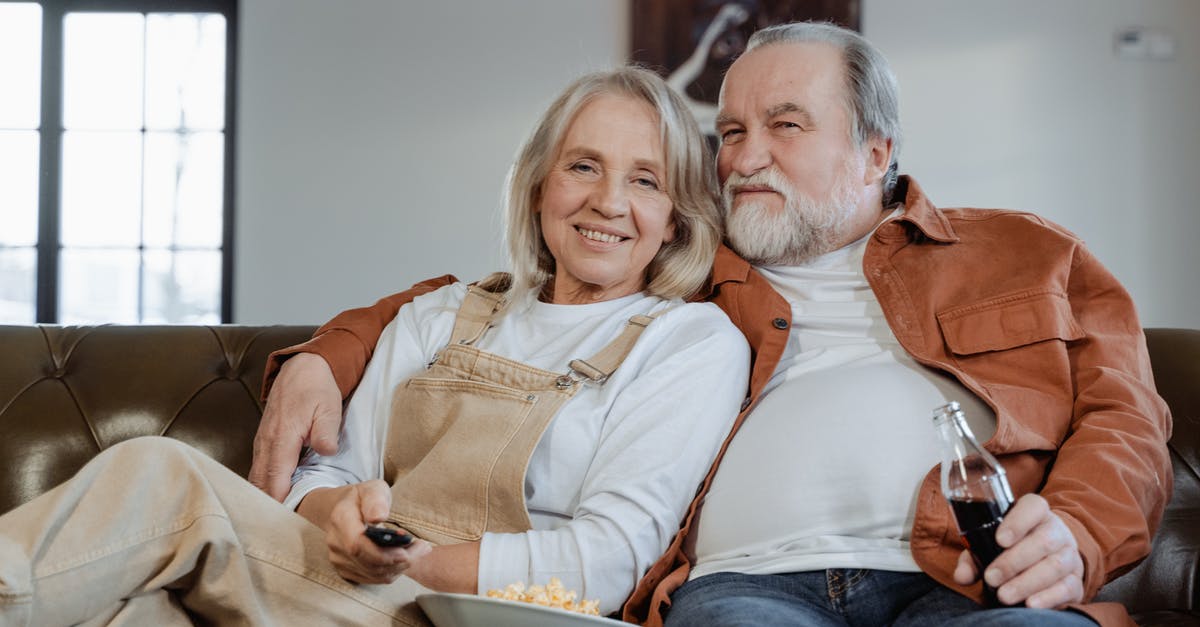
[600,366]
[478,309]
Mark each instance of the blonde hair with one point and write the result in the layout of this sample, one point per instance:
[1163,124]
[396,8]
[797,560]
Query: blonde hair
[682,265]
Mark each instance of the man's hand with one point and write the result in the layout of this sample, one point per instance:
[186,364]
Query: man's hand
[1040,564]
[303,408]
[352,554]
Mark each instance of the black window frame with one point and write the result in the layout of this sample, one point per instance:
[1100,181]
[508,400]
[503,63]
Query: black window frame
[50,129]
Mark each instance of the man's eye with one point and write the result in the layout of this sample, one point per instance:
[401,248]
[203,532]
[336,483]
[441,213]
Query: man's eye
[731,136]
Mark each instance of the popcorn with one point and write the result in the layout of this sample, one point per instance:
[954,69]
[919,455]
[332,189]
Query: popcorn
[550,595]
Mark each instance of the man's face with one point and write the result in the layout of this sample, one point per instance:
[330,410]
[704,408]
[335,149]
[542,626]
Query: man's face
[787,162]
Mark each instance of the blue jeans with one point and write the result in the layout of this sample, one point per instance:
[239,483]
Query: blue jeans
[843,598]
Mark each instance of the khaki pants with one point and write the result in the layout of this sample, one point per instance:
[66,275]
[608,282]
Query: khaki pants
[153,532]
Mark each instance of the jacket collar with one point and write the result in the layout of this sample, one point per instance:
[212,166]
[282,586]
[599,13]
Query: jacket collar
[729,267]
[921,213]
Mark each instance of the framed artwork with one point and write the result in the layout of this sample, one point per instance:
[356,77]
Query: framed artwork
[692,42]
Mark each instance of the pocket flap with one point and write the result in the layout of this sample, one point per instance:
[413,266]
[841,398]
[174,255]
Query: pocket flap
[1009,321]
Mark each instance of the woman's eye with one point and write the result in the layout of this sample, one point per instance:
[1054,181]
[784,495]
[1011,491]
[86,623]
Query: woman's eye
[646,182]
[585,168]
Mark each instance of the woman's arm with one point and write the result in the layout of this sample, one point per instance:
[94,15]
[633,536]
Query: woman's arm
[656,442]
[449,568]
[345,511]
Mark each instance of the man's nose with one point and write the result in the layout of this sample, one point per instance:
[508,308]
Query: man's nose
[750,155]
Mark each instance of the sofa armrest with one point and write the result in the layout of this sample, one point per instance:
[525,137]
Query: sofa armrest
[1165,587]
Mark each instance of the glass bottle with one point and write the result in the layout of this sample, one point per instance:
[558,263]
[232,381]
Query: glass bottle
[975,485]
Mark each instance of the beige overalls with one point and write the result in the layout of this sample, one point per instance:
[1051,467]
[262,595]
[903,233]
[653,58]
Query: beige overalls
[151,526]
[461,434]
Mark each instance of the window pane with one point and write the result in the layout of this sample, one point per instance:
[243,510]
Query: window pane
[185,71]
[183,195]
[20,38]
[18,278]
[183,287]
[18,187]
[101,189]
[102,70]
[98,286]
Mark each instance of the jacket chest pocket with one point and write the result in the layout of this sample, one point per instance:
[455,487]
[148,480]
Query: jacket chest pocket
[1008,322]
[1016,347]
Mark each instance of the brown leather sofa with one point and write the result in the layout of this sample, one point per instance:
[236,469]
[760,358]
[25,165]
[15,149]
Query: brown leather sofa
[68,392]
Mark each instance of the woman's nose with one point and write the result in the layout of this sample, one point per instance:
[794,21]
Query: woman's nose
[611,199]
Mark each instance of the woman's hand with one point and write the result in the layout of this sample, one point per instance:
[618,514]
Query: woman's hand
[352,554]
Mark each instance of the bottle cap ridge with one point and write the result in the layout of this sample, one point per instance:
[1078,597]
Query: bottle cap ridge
[947,410]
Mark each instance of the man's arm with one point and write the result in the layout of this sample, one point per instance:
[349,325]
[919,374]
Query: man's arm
[347,341]
[304,386]
[1111,478]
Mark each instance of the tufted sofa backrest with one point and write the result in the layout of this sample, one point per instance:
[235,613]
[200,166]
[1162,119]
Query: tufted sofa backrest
[68,392]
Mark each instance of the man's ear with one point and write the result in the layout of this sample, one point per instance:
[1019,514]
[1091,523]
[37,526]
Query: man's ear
[878,154]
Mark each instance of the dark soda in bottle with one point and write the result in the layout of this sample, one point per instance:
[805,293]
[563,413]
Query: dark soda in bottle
[975,485]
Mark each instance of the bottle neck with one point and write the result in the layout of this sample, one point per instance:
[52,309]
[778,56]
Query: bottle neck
[956,436]
[969,472]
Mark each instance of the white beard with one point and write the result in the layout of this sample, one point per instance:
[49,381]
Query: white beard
[805,229]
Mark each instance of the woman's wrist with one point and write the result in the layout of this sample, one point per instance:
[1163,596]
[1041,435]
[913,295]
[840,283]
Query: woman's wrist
[316,505]
[449,568]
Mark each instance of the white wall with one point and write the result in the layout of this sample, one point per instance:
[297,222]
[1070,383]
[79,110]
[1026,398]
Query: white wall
[1024,104]
[373,148]
[374,139]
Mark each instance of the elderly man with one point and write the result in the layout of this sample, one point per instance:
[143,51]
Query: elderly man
[867,307]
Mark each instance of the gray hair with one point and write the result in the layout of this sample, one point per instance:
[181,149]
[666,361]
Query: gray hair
[682,265]
[872,96]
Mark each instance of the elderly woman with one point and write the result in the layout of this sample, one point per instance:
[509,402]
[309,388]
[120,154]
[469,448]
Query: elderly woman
[554,421]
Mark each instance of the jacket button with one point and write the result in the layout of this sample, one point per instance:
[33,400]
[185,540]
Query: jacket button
[779,323]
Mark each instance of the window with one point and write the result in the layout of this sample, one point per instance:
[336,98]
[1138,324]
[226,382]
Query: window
[116,161]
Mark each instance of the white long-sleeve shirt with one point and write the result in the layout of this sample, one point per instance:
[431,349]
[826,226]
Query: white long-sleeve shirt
[844,424]
[615,470]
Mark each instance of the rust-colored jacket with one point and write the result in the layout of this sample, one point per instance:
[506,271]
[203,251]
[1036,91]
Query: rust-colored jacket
[1014,307]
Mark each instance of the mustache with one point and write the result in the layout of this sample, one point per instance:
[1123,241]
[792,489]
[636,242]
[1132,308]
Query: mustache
[769,179]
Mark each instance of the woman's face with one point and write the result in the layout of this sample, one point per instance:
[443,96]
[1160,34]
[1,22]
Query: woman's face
[604,211]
